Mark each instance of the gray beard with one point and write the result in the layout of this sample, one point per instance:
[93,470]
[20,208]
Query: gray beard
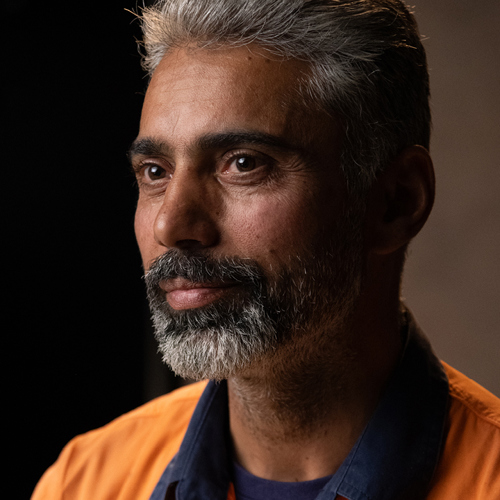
[315,291]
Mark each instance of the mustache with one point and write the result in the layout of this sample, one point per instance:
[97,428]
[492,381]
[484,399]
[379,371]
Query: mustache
[202,268]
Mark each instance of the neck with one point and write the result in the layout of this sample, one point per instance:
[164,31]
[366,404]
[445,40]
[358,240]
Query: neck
[296,416]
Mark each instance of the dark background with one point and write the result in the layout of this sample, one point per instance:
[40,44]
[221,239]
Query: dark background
[79,351]
[76,313]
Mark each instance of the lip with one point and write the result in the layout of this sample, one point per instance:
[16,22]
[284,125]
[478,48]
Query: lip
[184,294]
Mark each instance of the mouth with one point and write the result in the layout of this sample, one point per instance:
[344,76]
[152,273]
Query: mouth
[183,294]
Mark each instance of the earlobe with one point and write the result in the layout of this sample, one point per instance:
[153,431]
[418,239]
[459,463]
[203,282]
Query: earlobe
[400,201]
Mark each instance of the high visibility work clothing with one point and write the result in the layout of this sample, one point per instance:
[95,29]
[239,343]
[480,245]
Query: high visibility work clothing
[435,435]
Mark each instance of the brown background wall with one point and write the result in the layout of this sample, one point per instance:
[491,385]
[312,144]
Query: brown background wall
[452,280]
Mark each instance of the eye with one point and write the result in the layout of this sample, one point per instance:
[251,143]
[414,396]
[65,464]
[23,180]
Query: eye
[153,172]
[245,168]
[244,163]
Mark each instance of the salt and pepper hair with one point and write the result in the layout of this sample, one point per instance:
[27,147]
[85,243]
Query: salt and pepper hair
[368,65]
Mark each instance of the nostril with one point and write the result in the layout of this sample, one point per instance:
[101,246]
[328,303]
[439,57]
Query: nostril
[189,244]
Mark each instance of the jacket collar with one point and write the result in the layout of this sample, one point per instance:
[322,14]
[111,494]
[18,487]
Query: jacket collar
[394,457]
[398,451]
[201,468]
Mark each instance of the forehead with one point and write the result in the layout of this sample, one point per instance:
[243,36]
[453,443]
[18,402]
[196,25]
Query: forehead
[202,91]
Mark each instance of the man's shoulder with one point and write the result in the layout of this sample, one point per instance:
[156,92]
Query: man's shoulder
[171,411]
[469,398]
[167,406]
[130,451]
[163,417]
[470,461]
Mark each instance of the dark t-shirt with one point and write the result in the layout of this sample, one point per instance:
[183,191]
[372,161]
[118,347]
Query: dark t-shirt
[250,487]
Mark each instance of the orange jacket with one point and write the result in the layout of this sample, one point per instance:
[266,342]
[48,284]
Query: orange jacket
[125,459]
[469,467]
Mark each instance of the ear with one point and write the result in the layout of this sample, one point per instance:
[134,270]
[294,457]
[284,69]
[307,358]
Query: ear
[400,201]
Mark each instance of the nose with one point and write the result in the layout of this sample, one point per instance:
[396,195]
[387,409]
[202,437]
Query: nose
[186,218]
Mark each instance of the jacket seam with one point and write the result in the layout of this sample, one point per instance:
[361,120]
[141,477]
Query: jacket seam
[462,397]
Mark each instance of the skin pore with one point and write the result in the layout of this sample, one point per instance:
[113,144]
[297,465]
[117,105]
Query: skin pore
[230,162]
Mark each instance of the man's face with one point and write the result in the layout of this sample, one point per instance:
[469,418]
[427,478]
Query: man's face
[242,210]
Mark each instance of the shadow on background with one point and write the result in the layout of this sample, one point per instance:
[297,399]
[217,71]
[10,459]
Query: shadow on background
[76,325]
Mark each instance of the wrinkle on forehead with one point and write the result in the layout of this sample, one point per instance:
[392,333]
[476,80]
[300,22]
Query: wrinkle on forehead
[234,88]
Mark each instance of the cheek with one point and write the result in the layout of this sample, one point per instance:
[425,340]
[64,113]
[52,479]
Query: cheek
[144,232]
[272,228]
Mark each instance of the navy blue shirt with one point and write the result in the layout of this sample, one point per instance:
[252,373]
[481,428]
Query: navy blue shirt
[249,487]
[393,458]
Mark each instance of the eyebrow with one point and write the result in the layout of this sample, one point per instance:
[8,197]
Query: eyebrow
[149,146]
[231,139]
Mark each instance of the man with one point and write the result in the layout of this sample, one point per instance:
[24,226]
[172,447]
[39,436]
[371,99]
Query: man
[283,168]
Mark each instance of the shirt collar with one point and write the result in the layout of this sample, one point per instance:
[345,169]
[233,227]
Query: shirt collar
[398,451]
[201,468]
[394,457]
